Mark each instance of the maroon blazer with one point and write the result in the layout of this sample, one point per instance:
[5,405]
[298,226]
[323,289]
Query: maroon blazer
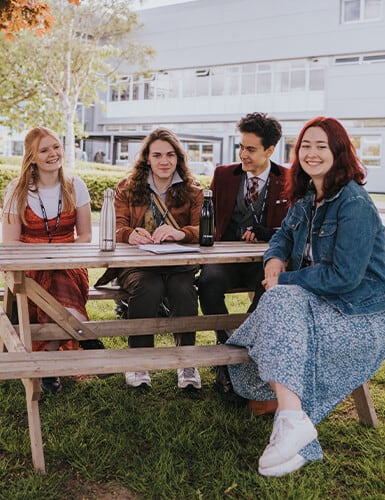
[225,186]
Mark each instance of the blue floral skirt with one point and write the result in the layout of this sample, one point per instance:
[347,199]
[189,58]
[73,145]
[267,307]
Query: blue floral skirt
[299,340]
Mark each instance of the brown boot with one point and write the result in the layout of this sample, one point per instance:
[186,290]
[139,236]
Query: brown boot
[259,408]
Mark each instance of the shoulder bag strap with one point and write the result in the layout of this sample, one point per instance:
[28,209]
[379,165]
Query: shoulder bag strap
[163,210]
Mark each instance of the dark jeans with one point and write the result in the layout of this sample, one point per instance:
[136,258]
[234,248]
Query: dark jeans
[217,279]
[147,289]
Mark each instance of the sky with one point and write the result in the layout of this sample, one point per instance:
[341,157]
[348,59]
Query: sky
[148,4]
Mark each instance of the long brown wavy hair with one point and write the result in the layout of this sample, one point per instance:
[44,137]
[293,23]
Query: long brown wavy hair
[29,175]
[178,194]
[346,164]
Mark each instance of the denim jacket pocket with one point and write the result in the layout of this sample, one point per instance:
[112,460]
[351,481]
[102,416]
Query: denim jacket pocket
[326,237]
[294,222]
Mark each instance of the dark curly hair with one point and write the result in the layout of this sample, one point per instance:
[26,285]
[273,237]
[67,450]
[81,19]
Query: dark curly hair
[263,126]
[178,194]
[346,165]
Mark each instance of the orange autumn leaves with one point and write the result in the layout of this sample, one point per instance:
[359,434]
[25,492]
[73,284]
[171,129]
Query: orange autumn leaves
[18,15]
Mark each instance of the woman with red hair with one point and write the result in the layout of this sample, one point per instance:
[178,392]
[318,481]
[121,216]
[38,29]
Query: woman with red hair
[318,332]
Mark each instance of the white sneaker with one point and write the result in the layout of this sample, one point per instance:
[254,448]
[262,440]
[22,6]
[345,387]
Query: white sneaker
[136,379]
[291,465]
[189,378]
[289,436]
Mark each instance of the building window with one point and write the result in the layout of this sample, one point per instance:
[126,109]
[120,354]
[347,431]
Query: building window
[368,149]
[347,60]
[374,58]
[120,90]
[201,152]
[289,142]
[316,79]
[291,77]
[353,11]
[248,79]
[264,78]
[244,79]
[217,81]
[369,58]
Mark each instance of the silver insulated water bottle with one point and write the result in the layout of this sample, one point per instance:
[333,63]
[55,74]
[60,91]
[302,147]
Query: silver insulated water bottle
[107,227]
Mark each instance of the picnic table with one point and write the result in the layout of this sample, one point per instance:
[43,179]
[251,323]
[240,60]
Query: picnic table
[19,362]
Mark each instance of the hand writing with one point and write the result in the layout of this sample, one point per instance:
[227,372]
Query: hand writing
[140,236]
[167,233]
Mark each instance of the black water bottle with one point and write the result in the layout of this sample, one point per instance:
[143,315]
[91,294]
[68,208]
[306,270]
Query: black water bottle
[206,223]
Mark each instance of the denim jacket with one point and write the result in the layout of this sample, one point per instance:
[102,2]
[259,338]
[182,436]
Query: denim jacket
[348,247]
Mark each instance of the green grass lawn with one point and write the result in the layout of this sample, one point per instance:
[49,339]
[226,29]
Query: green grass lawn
[103,440]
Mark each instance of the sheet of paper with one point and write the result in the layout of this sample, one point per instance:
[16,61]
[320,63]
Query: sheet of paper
[168,248]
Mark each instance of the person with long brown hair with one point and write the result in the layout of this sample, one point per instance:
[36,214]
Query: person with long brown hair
[318,331]
[159,201]
[46,206]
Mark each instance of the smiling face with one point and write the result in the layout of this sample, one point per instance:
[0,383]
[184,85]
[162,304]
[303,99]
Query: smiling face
[254,157]
[49,156]
[314,154]
[163,160]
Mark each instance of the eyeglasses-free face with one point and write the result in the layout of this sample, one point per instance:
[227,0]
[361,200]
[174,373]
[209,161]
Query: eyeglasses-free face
[162,160]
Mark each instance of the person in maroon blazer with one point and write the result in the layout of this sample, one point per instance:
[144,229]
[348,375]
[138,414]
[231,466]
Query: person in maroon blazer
[249,204]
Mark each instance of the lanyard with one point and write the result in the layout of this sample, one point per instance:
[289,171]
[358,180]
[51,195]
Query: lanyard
[308,258]
[45,218]
[257,218]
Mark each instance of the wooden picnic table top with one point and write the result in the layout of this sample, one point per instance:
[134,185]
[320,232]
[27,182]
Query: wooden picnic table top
[38,256]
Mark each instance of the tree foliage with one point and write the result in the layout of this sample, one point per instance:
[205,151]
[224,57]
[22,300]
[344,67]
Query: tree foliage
[18,15]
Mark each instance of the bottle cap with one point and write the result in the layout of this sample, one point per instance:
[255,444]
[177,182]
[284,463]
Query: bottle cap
[207,193]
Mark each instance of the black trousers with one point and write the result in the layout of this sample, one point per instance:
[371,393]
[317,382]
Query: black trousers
[217,279]
[148,288]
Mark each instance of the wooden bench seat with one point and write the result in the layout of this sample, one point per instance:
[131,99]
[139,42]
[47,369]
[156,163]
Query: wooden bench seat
[23,365]
[15,365]
[114,292]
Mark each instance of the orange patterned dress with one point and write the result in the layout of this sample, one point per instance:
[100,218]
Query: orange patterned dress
[68,286]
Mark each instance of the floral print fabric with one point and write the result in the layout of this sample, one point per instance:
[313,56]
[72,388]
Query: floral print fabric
[297,339]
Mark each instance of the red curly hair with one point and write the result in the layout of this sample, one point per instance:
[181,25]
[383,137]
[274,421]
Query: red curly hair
[346,165]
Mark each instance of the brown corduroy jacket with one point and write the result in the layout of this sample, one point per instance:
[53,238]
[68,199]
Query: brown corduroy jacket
[128,216]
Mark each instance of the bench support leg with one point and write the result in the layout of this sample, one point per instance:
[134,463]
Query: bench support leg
[364,405]
[7,303]
[32,392]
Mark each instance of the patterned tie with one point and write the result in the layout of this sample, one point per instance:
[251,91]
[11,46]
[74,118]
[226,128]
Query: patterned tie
[253,191]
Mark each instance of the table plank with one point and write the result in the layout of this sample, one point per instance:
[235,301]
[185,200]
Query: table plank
[72,255]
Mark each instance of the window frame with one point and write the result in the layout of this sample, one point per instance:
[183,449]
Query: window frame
[362,8]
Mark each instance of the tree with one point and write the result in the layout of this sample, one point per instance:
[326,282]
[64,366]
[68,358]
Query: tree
[17,15]
[70,64]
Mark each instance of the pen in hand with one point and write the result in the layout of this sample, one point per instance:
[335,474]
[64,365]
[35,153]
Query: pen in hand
[163,219]
[144,234]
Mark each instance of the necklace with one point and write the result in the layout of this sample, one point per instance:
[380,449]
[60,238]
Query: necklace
[45,218]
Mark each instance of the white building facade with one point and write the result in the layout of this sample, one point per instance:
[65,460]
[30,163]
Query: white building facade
[217,60]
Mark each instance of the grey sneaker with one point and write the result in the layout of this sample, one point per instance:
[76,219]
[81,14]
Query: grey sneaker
[189,378]
[137,379]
